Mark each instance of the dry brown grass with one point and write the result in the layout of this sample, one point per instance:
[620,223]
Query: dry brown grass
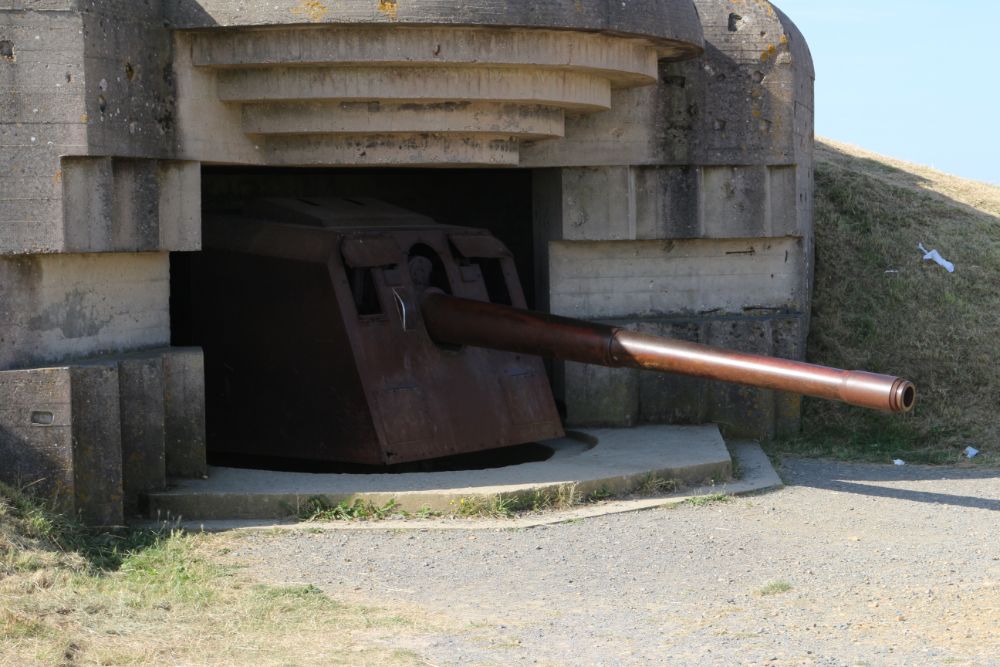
[878,305]
[167,599]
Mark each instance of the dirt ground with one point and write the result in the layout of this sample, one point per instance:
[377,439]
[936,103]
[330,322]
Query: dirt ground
[849,564]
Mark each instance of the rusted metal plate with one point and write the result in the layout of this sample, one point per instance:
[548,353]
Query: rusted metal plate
[479,246]
[369,251]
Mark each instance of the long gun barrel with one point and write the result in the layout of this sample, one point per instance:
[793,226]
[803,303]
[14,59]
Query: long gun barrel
[456,321]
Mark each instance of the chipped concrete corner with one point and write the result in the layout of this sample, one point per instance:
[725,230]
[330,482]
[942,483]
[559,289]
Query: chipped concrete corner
[670,143]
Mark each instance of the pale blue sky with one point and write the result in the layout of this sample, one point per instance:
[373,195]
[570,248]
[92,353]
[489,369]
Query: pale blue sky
[918,80]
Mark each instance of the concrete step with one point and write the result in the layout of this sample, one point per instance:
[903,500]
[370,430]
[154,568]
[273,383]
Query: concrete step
[621,461]
[623,61]
[567,90]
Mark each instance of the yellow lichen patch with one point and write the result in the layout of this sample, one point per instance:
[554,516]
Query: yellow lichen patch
[314,10]
[768,53]
[388,7]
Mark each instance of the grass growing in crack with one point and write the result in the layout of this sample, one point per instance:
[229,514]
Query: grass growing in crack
[320,509]
[599,494]
[506,506]
[775,588]
[75,595]
[424,512]
[701,501]
[654,485]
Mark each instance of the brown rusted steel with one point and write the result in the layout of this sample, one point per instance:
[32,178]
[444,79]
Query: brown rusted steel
[456,321]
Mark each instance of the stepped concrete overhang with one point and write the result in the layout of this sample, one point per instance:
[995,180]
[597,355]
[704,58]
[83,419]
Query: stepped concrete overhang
[441,83]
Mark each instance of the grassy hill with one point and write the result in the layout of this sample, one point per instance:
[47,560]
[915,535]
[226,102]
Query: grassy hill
[879,306]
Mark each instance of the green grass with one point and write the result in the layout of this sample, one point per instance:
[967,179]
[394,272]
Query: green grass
[711,499]
[320,509]
[74,595]
[879,306]
[775,588]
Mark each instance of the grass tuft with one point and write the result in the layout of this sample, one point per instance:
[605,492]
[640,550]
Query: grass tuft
[319,509]
[775,588]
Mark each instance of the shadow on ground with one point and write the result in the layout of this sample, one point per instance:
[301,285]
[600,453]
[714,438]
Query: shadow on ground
[882,481]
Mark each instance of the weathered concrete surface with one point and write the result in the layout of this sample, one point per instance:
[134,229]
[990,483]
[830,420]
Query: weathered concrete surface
[672,25]
[98,433]
[715,163]
[184,412]
[143,422]
[90,79]
[620,462]
[59,307]
[97,443]
[656,278]
[748,100]
[127,205]
[365,95]
[60,437]
[756,475]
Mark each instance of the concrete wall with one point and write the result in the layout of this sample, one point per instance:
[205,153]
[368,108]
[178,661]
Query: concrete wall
[687,209]
[91,200]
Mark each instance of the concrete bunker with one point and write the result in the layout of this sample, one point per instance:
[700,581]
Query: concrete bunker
[668,157]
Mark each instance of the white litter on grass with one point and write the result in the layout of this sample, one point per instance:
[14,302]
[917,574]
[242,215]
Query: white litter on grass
[970,452]
[899,462]
[935,256]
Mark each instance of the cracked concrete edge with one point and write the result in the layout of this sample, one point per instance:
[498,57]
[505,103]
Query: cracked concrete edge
[758,475]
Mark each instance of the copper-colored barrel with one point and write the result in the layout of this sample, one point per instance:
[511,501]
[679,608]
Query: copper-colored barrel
[455,321]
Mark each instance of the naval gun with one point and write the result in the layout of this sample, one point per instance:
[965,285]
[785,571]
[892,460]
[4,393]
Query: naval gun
[352,331]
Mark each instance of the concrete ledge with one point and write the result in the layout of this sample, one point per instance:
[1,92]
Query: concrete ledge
[621,462]
[757,476]
[673,25]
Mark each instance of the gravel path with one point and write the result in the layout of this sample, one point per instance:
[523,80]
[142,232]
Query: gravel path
[848,565]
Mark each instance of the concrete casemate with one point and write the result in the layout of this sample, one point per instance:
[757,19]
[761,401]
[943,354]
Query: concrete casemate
[669,145]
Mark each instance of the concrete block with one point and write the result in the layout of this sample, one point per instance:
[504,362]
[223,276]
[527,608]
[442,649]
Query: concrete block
[789,342]
[36,435]
[60,437]
[129,205]
[136,206]
[598,204]
[143,420]
[88,203]
[667,398]
[617,279]
[59,307]
[596,395]
[785,216]
[97,445]
[667,203]
[741,411]
[184,407]
[734,202]
[179,206]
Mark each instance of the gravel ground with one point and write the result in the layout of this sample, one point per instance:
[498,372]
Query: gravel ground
[848,565]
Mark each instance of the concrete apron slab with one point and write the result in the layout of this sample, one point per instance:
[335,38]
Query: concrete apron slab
[621,462]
